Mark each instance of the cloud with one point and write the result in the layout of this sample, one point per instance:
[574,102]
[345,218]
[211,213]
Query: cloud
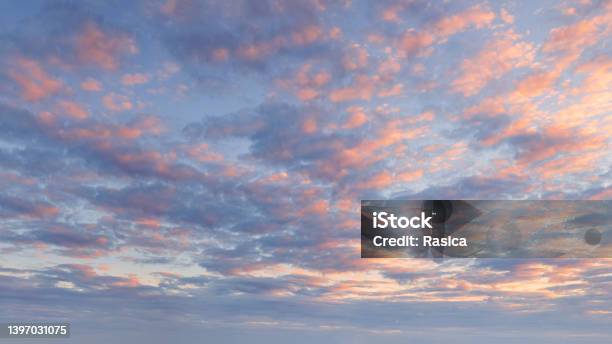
[73,109]
[92,85]
[277,30]
[11,206]
[94,46]
[473,187]
[356,118]
[36,84]
[135,79]
[70,37]
[537,83]
[506,16]
[498,57]
[477,16]
[117,102]
[557,142]
[414,42]
[362,89]
[307,83]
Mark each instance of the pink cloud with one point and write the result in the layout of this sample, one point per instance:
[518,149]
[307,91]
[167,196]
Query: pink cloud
[498,57]
[597,76]
[203,153]
[410,176]
[169,7]
[35,83]
[131,281]
[389,67]
[306,94]
[506,17]
[85,270]
[309,126]
[149,125]
[415,42]
[391,13]
[220,54]
[355,58]
[477,16]
[44,210]
[135,79]
[308,35]
[394,90]
[94,46]
[307,84]
[73,109]
[258,50]
[576,163]
[378,181]
[568,140]
[573,38]
[537,83]
[362,89]
[356,118]
[116,102]
[91,85]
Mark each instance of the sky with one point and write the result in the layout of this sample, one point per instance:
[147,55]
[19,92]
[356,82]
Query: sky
[191,171]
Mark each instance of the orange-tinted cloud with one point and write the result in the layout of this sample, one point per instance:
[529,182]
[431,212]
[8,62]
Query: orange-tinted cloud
[498,57]
[116,102]
[91,85]
[355,58]
[506,17]
[203,153]
[356,118]
[537,83]
[394,90]
[307,35]
[558,139]
[308,83]
[94,46]
[35,83]
[414,42]
[73,109]
[135,79]
[362,89]
[256,51]
[573,38]
[477,16]
[220,54]
[132,281]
